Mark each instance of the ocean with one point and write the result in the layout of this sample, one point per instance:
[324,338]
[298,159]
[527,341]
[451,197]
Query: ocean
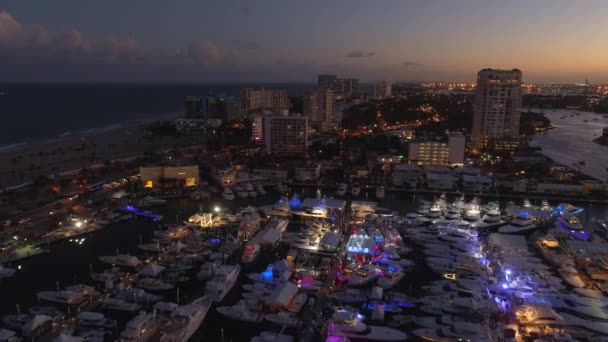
[39,112]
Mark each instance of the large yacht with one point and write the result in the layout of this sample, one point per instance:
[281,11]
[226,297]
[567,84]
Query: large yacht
[123,260]
[521,223]
[140,328]
[490,220]
[572,224]
[223,281]
[61,297]
[185,320]
[345,323]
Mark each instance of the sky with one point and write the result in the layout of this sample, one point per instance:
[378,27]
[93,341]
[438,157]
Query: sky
[293,41]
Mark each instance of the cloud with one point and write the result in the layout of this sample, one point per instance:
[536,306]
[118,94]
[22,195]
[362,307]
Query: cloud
[245,11]
[204,53]
[411,64]
[359,54]
[244,44]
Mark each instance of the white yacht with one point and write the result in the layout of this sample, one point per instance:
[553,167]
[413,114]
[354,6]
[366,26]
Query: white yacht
[391,277]
[117,304]
[283,319]
[62,297]
[345,323]
[153,284]
[363,276]
[6,272]
[572,224]
[223,281]
[240,312]
[349,296]
[380,192]
[434,213]
[8,336]
[252,249]
[452,213]
[140,328]
[342,187]
[227,194]
[123,260]
[185,320]
[490,220]
[521,223]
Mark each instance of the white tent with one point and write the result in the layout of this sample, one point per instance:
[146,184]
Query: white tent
[151,270]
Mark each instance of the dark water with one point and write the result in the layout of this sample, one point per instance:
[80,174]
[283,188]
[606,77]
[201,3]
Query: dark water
[33,112]
[68,262]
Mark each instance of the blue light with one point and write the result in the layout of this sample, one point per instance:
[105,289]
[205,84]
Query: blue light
[392,269]
[295,202]
[508,271]
[524,213]
[559,207]
[129,208]
[505,286]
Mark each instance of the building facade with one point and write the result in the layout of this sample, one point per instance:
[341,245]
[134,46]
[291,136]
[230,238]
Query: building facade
[252,99]
[193,107]
[221,107]
[155,177]
[319,108]
[497,108]
[382,90]
[449,153]
[285,135]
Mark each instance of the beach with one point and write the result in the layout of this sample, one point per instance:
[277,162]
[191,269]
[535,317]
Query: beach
[69,153]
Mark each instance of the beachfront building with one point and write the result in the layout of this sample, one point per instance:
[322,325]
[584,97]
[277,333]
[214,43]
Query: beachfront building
[450,153]
[498,99]
[382,90]
[252,99]
[221,106]
[157,177]
[285,135]
[319,107]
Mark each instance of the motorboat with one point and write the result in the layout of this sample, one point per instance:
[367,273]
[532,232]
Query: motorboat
[342,187]
[95,320]
[153,284]
[275,273]
[122,260]
[117,304]
[349,296]
[380,192]
[223,281]
[62,297]
[252,249]
[241,313]
[572,224]
[283,319]
[391,277]
[185,320]
[571,276]
[345,323]
[227,194]
[8,336]
[491,219]
[55,313]
[134,294]
[6,272]
[140,328]
[30,326]
[363,276]
[452,214]
[521,223]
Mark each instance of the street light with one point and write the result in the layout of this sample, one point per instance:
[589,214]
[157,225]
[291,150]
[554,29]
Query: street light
[216,209]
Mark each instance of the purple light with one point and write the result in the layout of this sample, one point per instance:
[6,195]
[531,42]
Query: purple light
[508,271]
[505,286]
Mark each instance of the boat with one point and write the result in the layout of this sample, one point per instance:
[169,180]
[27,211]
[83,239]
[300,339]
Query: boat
[363,276]
[253,194]
[208,270]
[140,328]
[380,192]
[355,189]
[491,219]
[283,319]
[150,201]
[185,320]
[241,313]
[153,284]
[6,272]
[117,304]
[95,320]
[56,314]
[241,192]
[134,294]
[342,187]
[227,194]
[8,336]
[248,187]
[62,297]
[391,277]
[30,326]
[349,296]
[260,189]
[345,323]
[123,260]
[252,249]
[223,281]
[521,223]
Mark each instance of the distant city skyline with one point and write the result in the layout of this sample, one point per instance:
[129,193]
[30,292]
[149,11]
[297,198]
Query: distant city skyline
[273,41]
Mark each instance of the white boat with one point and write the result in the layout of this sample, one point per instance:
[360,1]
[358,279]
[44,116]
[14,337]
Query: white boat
[117,304]
[61,297]
[345,323]
[349,296]
[342,187]
[355,189]
[391,278]
[8,336]
[6,272]
[240,312]
[153,284]
[490,220]
[223,281]
[521,223]
[571,276]
[139,329]
[227,194]
[123,260]
[185,320]
[363,276]
[283,319]
[252,249]
[95,320]
[380,192]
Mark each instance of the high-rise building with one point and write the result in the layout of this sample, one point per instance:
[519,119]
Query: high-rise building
[350,87]
[252,99]
[285,135]
[318,107]
[221,107]
[382,90]
[326,81]
[450,153]
[193,107]
[497,105]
